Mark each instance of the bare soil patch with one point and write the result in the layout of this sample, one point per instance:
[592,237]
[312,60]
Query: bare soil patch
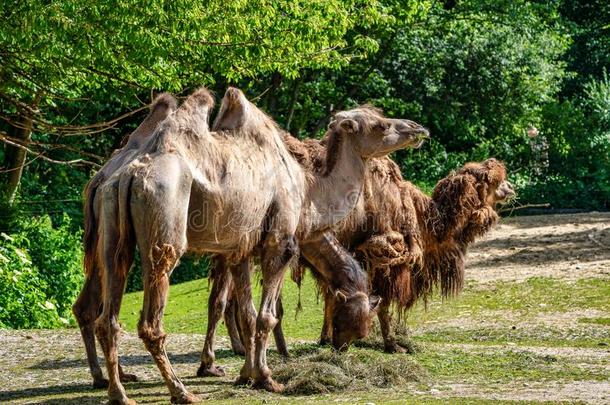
[570,246]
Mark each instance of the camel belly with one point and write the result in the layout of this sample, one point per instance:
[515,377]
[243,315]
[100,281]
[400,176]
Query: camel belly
[228,222]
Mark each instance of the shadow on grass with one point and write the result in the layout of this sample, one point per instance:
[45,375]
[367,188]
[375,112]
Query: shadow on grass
[88,393]
[131,360]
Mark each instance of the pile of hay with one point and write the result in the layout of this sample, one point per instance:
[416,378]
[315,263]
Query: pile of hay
[402,336]
[314,370]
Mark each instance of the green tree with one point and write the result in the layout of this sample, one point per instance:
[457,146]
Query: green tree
[58,59]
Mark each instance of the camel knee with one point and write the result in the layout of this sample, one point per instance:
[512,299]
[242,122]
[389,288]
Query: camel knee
[107,331]
[266,321]
[153,338]
[289,249]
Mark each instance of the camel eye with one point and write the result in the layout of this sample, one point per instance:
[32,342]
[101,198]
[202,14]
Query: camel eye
[382,126]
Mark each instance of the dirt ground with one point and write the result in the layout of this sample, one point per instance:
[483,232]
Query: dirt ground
[49,366]
[561,246]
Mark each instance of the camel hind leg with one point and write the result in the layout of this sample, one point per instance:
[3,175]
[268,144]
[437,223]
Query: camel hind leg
[116,262]
[86,309]
[231,318]
[278,332]
[217,304]
[157,268]
[246,317]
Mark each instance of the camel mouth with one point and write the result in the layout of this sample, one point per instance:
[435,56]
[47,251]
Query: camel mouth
[506,194]
[421,136]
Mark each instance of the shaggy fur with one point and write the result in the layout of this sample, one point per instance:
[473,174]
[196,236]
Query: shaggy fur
[418,243]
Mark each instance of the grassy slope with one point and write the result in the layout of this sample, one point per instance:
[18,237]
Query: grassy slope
[499,359]
[187,308]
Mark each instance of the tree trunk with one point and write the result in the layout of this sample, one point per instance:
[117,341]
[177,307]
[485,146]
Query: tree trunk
[15,157]
[276,82]
[293,100]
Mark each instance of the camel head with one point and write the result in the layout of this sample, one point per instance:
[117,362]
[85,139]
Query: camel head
[372,134]
[352,317]
[491,182]
[237,112]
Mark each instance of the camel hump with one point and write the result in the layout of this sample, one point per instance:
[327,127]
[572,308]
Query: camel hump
[163,101]
[200,98]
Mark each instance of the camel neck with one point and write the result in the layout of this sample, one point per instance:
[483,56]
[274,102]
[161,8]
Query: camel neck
[335,194]
[335,264]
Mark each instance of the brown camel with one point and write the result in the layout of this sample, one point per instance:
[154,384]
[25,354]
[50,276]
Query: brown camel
[88,305]
[226,192]
[418,243]
[411,243]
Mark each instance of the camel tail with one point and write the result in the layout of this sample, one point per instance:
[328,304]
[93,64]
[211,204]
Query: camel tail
[125,244]
[90,236]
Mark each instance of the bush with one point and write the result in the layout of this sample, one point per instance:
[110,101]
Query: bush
[40,274]
[23,299]
[577,133]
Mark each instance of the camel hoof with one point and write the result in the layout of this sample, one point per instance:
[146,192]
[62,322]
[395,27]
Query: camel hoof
[128,378]
[242,381]
[239,351]
[100,383]
[185,398]
[211,371]
[394,348]
[268,384]
[324,342]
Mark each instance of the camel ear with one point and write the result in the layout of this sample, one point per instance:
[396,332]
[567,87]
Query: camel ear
[340,295]
[374,303]
[349,126]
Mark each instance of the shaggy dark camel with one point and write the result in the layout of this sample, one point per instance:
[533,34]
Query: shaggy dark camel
[225,192]
[88,304]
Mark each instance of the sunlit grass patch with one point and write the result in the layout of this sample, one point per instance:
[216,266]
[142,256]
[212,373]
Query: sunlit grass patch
[494,365]
[597,321]
[526,336]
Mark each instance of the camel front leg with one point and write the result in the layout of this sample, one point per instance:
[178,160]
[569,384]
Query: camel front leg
[385,323]
[247,318]
[216,307]
[326,336]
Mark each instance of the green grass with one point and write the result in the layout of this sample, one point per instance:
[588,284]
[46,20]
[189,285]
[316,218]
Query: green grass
[501,329]
[504,366]
[187,307]
[524,299]
[597,321]
[186,311]
[526,336]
